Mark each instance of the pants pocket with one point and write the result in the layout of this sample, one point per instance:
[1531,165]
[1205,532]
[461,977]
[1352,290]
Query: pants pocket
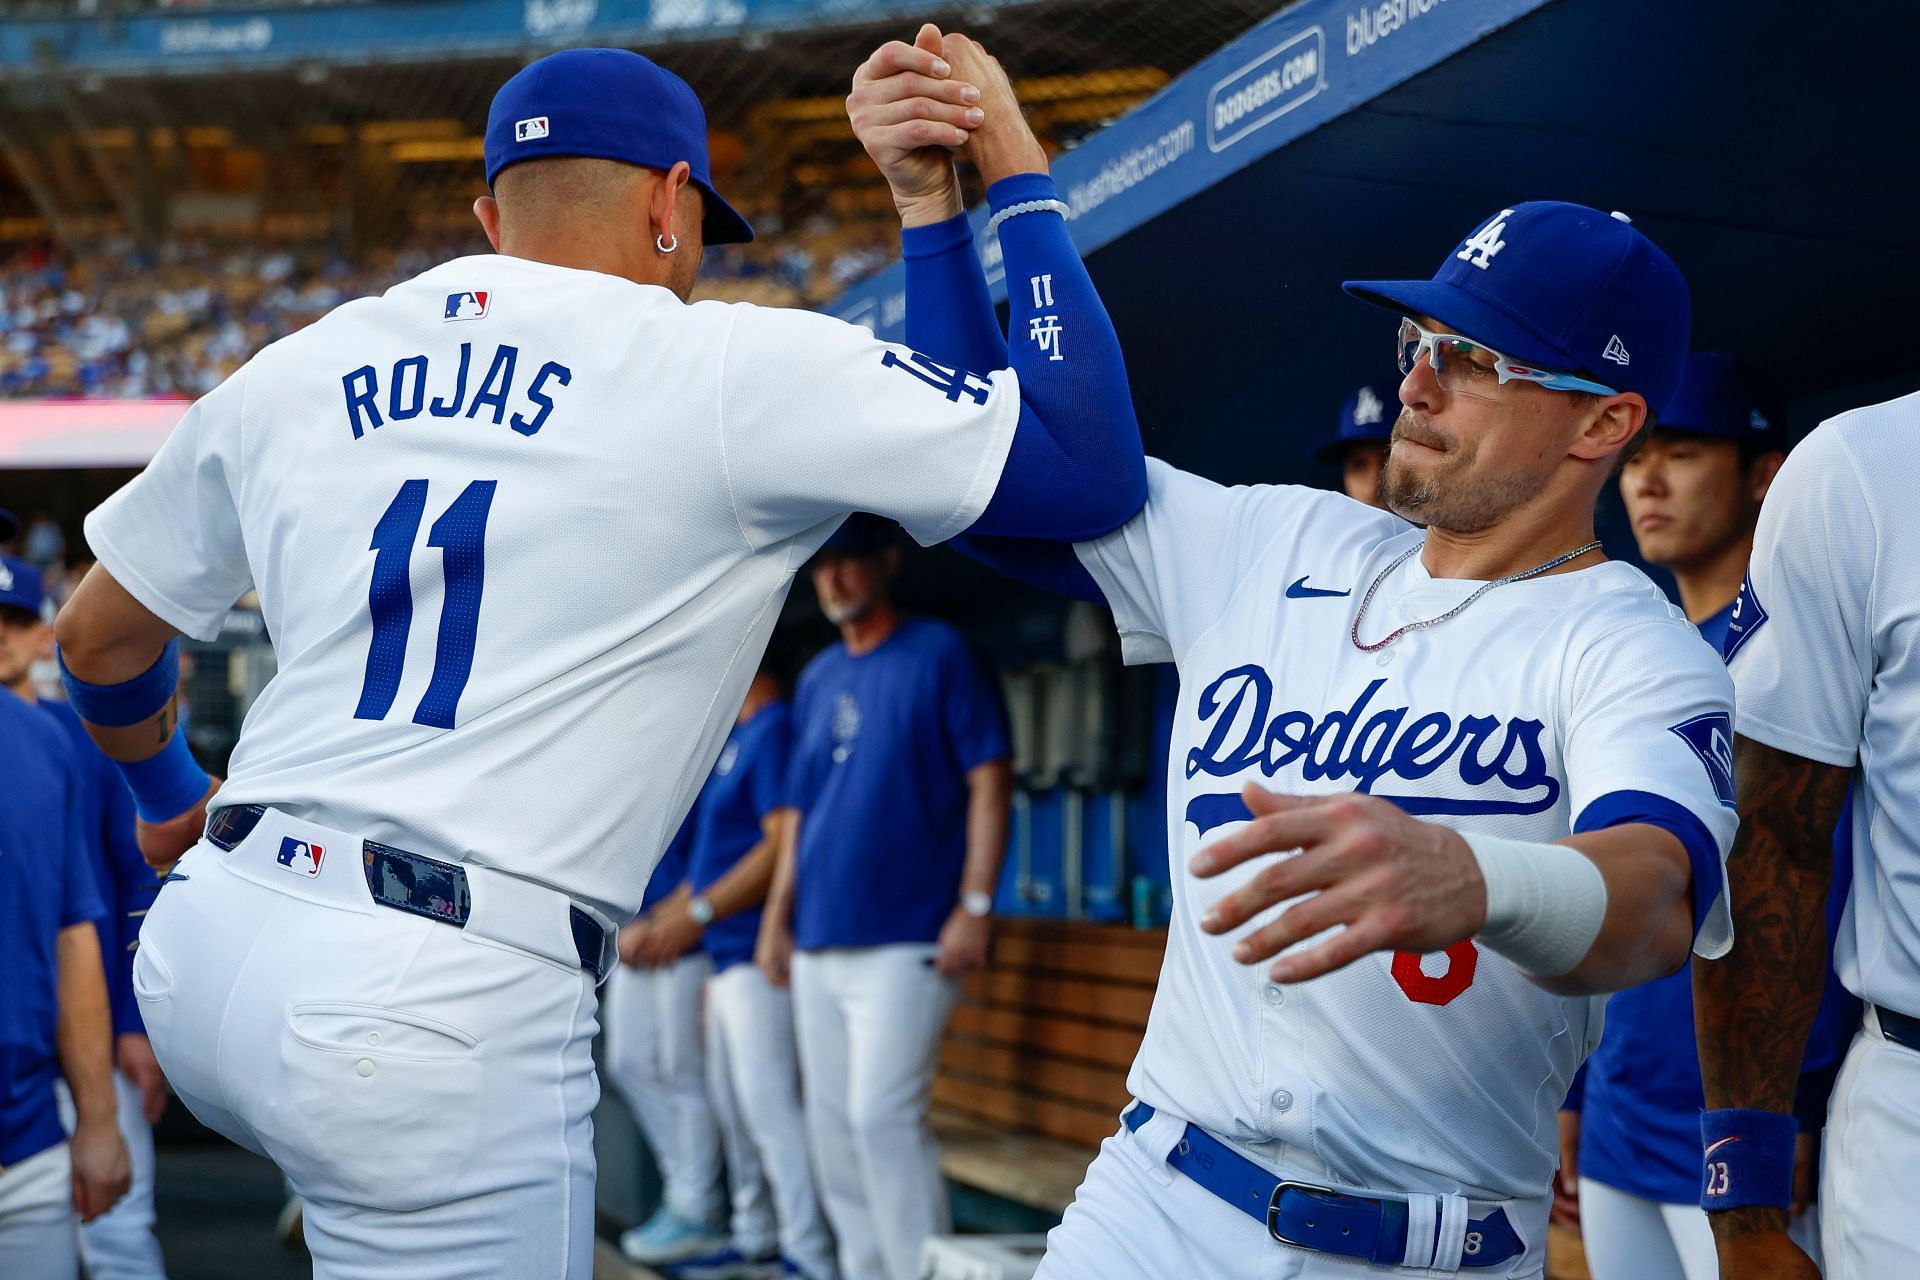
[153,992]
[380,1106]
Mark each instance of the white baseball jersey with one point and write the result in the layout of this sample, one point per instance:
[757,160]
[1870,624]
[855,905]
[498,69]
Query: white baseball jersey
[520,533]
[1565,703]
[1824,648]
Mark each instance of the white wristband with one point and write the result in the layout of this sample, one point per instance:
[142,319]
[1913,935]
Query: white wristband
[1545,903]
[1060,207]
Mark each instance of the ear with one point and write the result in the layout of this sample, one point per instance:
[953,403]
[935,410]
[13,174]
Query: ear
[487,209]
[665,202]
[1760,474]
[1613,422]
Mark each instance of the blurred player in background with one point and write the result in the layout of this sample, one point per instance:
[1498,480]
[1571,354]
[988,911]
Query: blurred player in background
[520,527]
[120,1244]
[1692,496]
[1358,445]
[651,1018]
[753,1065]
[902,785]
[55,1018]
[1822,646]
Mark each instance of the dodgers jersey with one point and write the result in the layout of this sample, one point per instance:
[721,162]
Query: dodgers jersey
[749,782]
[1825,652]
[520,533]
[1549,706]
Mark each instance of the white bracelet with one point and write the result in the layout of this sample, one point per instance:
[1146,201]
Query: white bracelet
[1060,207]
[1545,903]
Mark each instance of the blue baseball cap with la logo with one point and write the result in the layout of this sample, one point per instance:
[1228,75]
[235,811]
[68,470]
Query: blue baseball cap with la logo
[20,585]
[612,104]
[1366,417]
[1563,287]
[1719,397]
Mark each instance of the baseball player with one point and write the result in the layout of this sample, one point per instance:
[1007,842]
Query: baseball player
[1358,445]
[119,1244]
[378,967]
[654,1058]
[1492,763]
[54,1017]
[1692,495]
[755,1067]
[902,787]
[1821,646]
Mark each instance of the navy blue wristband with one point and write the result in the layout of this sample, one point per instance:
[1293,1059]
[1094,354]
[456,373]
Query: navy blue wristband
[1748,1157]
[166,785]
[115,706]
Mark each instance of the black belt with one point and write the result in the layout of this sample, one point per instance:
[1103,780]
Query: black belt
[1899,1028]
[413,882]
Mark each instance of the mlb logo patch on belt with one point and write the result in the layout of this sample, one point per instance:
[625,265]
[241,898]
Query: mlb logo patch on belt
[302,857]
[471,305]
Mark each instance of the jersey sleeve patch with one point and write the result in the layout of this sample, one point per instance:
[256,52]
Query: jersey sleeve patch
[1748,617]
[1711,738]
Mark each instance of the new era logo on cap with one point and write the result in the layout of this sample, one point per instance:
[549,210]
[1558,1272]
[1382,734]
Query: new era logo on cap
[530,129]
[302,857]
[1616,351]
[466,306]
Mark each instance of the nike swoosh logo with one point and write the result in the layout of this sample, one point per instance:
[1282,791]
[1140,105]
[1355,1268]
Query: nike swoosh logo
[172,876]
[1301,591]
[1716,1146]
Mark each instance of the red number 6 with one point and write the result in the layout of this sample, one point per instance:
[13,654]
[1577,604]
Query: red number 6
[1462,959]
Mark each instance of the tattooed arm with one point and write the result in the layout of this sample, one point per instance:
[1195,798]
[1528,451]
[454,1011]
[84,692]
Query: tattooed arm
[1753,1010]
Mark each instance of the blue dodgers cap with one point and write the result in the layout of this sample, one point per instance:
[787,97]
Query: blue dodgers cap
[9,524]
[1564,287]
[20,585]
[860,535]
[611,104]
[1717,397]
[1366,417]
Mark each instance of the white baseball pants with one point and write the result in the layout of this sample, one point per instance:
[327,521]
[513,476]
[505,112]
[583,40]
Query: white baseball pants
[1136,1218]
[1629,1237]
[1870,1166]
[39,1231]
[120,1244]
[869,1021]
[750,1038]
[426,1089]
[653,1058]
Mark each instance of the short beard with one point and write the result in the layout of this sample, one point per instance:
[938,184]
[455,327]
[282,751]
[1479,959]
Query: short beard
[851,611]
[1442,499]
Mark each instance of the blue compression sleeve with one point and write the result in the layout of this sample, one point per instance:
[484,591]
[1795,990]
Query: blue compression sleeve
[1076,468]
[950,317]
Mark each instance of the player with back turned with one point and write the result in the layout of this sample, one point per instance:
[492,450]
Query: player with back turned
[520,529]
[1486,756]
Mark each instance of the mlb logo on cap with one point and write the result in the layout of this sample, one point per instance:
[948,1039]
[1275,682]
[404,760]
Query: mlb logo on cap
[466,306]
[302,857]
[530,130]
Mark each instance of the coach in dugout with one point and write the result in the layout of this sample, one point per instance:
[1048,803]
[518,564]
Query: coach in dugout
[1693,496]
[1358,445]
[54,1019]
[902,784]
[120,1244]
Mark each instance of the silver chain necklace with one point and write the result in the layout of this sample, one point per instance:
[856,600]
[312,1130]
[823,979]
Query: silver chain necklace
[1367,599]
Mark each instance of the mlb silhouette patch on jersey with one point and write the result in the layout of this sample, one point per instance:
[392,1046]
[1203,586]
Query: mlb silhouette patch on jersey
[302,857]
[466,306]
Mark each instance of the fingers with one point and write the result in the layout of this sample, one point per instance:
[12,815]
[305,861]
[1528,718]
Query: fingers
[1364,936]
[1280,822]
[1302,920]
[1278,881]
[910,85]
[896,56]
[914,129]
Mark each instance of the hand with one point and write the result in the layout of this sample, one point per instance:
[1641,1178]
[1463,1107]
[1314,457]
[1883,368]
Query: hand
[1761,1255]
[910,114]
[773,952]
[1806,1172]
[671,933]
[632,943]
[1003,144]
[1396,883]
[102,1170]
[964,943]
[162,843]
[133,1054]
[1566,1182]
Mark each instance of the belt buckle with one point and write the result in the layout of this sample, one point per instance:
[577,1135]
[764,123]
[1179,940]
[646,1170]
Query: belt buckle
[1273,1210]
